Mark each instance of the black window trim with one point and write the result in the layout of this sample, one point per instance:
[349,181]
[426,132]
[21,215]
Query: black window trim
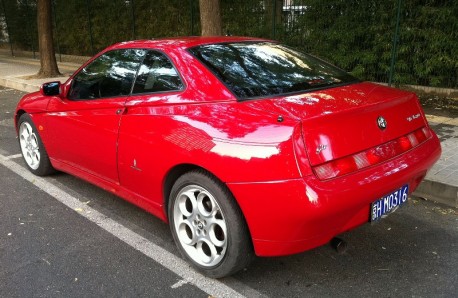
[135,76]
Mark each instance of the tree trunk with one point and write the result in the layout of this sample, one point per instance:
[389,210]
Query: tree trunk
[48,62]
[210,17]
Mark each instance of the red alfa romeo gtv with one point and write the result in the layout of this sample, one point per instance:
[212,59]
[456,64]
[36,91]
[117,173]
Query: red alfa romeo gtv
[244,146]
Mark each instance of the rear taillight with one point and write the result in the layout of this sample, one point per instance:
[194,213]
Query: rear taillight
[372,156]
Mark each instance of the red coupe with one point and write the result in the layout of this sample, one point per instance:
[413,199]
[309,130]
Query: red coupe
[244,146]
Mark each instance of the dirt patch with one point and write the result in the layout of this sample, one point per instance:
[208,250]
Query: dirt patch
[440,104]
[35,76]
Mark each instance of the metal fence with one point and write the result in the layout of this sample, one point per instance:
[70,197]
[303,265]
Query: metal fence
[399,41]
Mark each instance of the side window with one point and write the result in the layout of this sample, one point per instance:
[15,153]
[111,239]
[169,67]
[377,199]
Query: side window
[110,75]
[157,74]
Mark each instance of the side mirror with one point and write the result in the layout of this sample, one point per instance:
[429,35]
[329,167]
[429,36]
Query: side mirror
[50,89]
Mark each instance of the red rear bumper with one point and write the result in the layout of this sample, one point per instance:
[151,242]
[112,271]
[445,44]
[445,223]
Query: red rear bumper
[291,216]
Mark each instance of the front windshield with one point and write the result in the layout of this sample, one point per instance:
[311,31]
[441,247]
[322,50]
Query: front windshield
[258,69]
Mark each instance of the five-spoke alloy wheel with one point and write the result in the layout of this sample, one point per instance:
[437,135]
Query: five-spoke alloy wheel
[200,225]
[32,149]
[208,226]
[29,145]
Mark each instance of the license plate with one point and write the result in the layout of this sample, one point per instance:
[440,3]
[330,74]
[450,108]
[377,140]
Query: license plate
[389,203]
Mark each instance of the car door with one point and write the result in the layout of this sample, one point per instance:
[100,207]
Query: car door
[149,117]
[84,124]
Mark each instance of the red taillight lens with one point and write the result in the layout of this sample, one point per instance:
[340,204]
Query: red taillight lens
[337,167]
[373,156]
[346,165]
[404,143]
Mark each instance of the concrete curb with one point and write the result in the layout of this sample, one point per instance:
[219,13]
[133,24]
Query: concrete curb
[24,85]
[438,192]
[67,66]
[60,58]
[18,85]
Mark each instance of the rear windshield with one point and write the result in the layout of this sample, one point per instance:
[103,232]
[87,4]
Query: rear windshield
[263,68]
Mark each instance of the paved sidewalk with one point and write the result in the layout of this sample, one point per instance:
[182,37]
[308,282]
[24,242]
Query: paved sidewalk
[440,184]
[15,72]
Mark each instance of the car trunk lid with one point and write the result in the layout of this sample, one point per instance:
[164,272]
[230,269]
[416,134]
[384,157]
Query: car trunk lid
[341,121]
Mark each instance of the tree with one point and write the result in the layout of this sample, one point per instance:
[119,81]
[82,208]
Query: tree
[48,64]
[210,17]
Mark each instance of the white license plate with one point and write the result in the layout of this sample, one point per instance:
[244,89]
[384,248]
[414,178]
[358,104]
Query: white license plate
[389,203]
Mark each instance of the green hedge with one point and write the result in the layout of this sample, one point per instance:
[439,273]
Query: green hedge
[357,35]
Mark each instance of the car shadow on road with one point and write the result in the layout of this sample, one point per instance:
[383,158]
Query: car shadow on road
[403,254]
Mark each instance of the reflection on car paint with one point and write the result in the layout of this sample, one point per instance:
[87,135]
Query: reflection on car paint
[262,150]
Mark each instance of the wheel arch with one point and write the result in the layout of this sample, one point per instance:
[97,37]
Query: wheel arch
[18,115]
[172,175]
[182,169]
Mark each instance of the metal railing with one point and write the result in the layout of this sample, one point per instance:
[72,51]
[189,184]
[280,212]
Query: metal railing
[393,41]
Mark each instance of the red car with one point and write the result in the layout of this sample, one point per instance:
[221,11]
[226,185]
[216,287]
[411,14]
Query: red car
[244,146]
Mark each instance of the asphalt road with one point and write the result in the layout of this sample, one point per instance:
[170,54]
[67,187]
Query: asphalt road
[62,237]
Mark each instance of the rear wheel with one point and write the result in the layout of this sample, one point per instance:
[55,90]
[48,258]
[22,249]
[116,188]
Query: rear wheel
[208,226]
[32,149]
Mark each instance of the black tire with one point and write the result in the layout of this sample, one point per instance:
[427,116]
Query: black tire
[42,166]
[238,251]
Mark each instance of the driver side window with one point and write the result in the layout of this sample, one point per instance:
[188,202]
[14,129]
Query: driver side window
[110,75]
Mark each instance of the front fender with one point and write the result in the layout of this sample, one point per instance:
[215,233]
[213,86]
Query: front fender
[32,103]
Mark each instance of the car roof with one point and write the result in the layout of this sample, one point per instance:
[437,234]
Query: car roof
[181,42]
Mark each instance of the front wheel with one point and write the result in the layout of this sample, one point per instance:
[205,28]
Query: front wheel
[32,148]
[208,226]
